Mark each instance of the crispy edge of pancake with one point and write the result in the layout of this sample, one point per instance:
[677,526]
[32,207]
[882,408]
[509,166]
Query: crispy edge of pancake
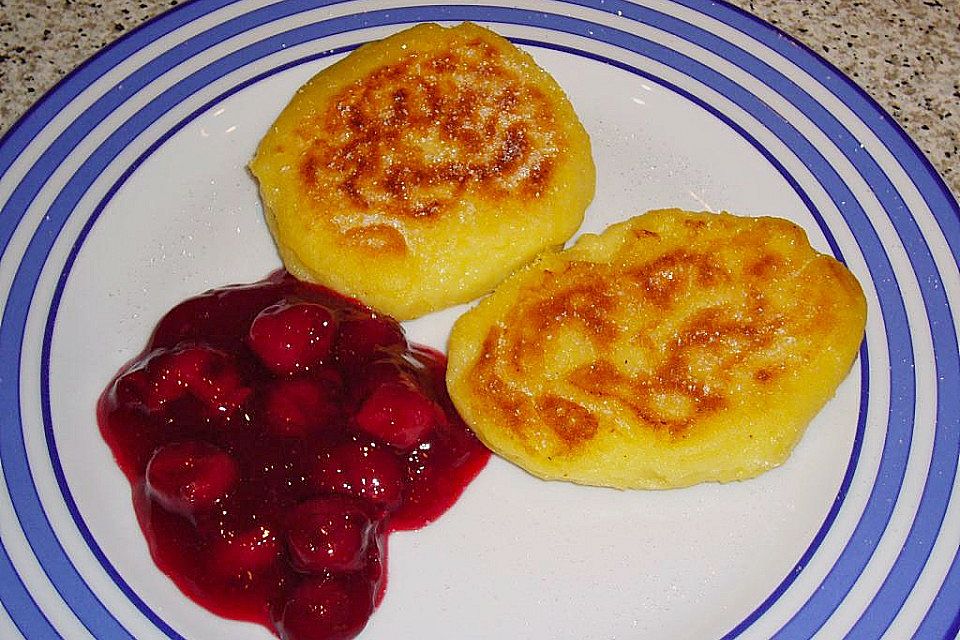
[651,459]
[398,287]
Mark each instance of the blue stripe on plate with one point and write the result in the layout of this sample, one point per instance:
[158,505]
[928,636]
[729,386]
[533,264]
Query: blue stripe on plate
[943,466]
[33,520]
[944,613]
[942,469]
[893,463]
[23,132]
[52,320]
[20,486]
[19,603]
[66,141]
[39,115]
[864,357]
[17,473]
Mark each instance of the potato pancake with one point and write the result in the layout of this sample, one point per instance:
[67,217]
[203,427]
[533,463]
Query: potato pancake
[674,348]
[422,169]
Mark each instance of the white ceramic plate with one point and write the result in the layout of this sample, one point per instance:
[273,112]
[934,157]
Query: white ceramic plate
[124,191]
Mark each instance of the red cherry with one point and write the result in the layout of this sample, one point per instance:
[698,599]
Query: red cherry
[244,552]
[329,534]
[373,570]
[325,609]
[399,414]
[362,338]
[376,373]
[297,406]
[136,436]
[187,477]
[206,374]
[292,337]
[362,470]
[131,388]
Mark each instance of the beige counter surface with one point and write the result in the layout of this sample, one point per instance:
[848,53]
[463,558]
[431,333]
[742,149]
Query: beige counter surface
[905,53]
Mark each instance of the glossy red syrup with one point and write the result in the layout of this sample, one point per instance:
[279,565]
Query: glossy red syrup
[274,434]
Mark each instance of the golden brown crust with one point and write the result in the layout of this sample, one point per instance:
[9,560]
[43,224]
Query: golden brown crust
[413,138]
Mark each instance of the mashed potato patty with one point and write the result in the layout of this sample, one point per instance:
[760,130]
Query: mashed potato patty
[673,349]
[420,170]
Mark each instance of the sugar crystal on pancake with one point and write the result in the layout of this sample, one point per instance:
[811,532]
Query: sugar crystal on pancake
[674,348]
[420,170]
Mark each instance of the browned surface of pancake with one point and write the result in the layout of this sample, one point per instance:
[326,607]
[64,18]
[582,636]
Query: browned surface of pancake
[675,348]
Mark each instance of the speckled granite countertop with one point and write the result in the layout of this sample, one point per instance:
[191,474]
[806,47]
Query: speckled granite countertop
[905,53]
